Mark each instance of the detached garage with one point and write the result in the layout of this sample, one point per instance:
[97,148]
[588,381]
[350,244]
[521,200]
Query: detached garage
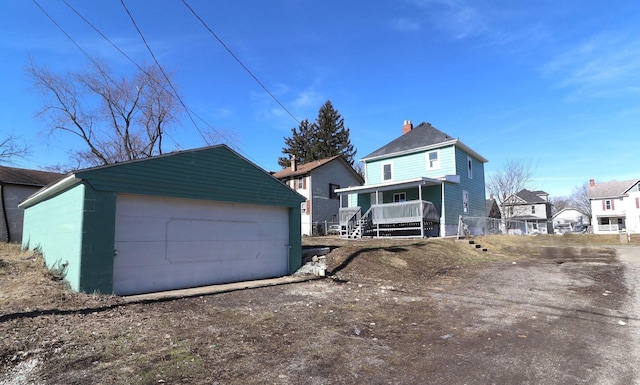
[185,219]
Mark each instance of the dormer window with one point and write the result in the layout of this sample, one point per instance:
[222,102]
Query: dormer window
[433,160]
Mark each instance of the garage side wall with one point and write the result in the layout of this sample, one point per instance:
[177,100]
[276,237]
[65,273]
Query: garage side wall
[54,227]
[99,216]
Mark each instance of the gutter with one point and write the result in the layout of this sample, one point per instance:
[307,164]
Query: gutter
[48,192]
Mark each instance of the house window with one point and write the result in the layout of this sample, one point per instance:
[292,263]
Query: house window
[386,171]
[465,201]
[533,209]
[303,207]
[433,160]
[300,183]
[332,191]
[399,197]
[607,204]
[469,168]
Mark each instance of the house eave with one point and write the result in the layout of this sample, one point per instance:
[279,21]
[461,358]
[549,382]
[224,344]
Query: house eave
[47,192]
[453,142]
[423,181]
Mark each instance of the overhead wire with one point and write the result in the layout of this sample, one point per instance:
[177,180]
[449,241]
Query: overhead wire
[187,109]
[91,59]
[239,61]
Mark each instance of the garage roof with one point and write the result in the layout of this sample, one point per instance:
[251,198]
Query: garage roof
[210,173]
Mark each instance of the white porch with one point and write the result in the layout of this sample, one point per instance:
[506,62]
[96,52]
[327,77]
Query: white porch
[400,218]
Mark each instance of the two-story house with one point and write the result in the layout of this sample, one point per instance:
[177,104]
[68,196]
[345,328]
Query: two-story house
[531,207]
[417,185]
[615,206]
[318,181]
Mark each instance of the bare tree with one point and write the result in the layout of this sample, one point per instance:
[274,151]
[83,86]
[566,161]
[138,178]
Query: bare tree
[118,120]
[580,199]
[512,178]
[560,203]
[11,147]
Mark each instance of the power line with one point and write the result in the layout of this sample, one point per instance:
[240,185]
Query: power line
[144,71]
[96,64]
[239,61]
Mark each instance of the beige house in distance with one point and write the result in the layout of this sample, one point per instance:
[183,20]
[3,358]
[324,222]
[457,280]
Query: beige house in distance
[317,181]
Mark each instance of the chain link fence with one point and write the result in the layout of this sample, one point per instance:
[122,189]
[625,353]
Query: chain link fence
[325,228]
[475,226]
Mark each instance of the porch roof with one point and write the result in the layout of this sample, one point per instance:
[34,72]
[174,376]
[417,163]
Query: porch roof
[398,185]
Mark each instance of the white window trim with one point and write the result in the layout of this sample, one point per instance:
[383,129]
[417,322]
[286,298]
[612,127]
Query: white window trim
[390,171]
[437,162]
[398,195]
[469,168]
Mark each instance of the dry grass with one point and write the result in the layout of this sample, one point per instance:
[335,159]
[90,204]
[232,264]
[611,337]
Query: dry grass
[373,316]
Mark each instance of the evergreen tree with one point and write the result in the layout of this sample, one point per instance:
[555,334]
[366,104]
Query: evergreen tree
[324,138]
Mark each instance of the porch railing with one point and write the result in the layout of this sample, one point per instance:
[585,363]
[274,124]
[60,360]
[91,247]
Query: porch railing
[612,227]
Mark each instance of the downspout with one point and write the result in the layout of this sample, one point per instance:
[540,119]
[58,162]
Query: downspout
[4,214]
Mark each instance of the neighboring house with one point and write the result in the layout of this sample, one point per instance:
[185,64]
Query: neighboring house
[318,181]
[16,184]
[417,185]
[531,207]
[493,210]
[184,219]
[569,220]
[615,206]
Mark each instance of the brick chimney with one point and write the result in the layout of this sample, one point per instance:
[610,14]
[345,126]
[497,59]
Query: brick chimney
[592,182]
[294,166]
[407,126]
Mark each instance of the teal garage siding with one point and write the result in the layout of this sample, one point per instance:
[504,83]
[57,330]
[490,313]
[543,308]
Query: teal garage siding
[54,227]
[73,223]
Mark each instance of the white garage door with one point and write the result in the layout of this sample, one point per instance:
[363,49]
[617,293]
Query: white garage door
[171,243]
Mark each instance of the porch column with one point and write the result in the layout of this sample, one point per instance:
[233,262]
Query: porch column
[421,211]
[443,225]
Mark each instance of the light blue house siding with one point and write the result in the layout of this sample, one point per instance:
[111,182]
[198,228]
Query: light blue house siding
[411,166]
[473,184]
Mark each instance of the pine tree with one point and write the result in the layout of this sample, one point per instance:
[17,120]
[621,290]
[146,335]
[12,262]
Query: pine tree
[324,138]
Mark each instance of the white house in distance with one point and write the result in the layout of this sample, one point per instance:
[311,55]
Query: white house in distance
[317,181]
[569,219]
[615,206]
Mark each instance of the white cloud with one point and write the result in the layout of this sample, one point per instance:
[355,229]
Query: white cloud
[404,24]
[604,66]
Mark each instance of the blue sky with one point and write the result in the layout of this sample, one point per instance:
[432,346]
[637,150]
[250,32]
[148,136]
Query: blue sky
[555,84]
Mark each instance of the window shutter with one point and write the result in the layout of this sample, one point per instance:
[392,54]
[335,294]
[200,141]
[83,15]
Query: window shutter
[603,206]
[308,207]
[304,182]
[638,203]
[294,184]
[613,207]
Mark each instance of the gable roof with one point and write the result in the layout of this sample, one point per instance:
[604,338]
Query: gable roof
[306,168]
[22,176]
[209,173]
[421,137]
[526,197]
[566,209]
[610,189]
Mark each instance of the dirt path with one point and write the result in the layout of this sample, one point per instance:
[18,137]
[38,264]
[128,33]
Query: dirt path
[565,318]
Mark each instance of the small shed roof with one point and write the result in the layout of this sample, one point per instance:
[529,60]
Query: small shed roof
[22,176]
[211,173]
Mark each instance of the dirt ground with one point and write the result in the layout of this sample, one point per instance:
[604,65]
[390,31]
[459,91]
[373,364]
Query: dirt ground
[530,310]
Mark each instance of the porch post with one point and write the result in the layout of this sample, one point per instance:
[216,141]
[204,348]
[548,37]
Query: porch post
[421,211]
[443,225]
